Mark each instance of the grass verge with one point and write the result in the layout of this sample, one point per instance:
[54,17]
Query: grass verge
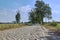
[58,26]
[10,26]
[50,27]
[55,29]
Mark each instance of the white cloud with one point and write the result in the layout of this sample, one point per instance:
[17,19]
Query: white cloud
[5,12]
[24,12]
[25,9]
[56,11]
[9,14]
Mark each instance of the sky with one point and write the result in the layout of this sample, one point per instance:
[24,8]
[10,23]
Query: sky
[9,8]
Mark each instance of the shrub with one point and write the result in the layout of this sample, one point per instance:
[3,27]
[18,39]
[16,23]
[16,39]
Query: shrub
[28,23]
[53,24]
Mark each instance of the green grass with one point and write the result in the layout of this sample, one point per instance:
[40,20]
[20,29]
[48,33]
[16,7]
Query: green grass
[58,26]
[53,28]
[10,26]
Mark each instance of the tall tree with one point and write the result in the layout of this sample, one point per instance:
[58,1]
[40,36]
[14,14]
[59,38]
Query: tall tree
[32,16]
[42,10]
[17,17]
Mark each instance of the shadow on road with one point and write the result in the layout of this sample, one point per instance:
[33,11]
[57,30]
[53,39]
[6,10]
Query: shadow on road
[52,36]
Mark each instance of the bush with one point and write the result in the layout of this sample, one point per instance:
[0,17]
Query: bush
[53,24]
[27,23]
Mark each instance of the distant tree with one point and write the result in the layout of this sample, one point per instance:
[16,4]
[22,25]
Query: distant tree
[42,10]
[14,22]
[17,17]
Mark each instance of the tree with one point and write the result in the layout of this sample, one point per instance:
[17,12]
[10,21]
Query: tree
[18,17]
[42,10]
[32,16]
[14,22]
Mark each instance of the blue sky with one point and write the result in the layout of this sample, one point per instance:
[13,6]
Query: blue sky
[9,8]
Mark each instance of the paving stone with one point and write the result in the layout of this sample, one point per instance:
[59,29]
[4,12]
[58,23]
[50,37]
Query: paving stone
[26,33]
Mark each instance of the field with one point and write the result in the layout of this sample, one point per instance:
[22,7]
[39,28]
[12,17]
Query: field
[58,26]
[10,26]
[53,28]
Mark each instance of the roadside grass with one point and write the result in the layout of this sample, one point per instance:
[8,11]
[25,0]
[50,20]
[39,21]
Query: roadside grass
[55,29]
[58,29]
[10,26]
[50,27]
[58,26]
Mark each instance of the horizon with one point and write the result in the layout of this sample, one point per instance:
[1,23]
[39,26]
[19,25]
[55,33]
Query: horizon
[9,8]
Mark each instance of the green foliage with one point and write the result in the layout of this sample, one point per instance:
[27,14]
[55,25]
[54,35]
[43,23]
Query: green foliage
[53,24]
[28,23]
[18,17]
[58,26]
[32,16]
[40,11]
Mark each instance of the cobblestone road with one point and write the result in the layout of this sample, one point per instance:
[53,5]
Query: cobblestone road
[27,33]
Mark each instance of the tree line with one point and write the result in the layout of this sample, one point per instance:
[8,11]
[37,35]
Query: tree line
[38,13]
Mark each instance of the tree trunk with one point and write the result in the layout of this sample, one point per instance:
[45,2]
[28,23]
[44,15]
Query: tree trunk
[41,18]
[42,21]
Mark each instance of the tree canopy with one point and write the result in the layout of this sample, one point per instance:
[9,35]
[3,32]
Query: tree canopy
[40,11]
[18,17]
